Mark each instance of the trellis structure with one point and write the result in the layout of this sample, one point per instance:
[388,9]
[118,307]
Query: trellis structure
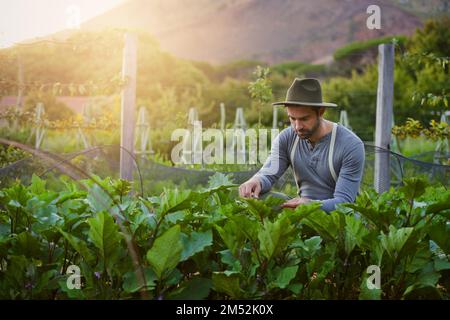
[38,130]
[192,143]
[143,141]
[238,137]
[86,114]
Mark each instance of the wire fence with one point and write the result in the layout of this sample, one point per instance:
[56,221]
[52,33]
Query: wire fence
[151,177]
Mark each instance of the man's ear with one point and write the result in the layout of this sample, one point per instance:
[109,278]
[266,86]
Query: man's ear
[321,111]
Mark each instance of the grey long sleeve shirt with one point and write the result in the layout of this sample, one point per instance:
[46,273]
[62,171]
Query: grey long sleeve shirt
[312,169]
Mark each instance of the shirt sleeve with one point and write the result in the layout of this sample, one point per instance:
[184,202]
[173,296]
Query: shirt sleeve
[349,179]
[276,163]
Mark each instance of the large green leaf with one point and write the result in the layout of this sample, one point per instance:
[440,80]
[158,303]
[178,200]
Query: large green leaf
[366,293]
[229,285]
[193,289]
[413,188]
[326,225]
[284,276]
[439,233]
[131,283]
[219,179]
[232,235]
[274,237]
[79,245]
[68,195]
[441,206]
[16,196]
[194,243]
[104,233]
[98,199]
[231,261]
[27,245]
[15,276]
[246,226]
[425,279]
[394,241]
[379,209]
[441,264]
[421,258]
[46,215]
[37,185]
[166,251]
[257,207]
[309,247]
[355,231]
[176,200]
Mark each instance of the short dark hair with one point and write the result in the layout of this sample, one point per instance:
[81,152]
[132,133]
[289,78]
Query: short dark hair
[316,110]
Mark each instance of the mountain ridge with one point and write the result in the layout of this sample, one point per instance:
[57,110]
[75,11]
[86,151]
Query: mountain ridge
[273,31]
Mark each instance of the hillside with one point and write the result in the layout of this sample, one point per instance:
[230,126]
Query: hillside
[220,31]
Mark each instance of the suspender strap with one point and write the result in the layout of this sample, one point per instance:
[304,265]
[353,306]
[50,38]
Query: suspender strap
[294,148]
[331,152]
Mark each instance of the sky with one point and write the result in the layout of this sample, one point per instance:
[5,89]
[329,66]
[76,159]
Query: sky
[26,19]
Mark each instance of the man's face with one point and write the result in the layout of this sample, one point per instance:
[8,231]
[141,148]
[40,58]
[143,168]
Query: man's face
[304,120]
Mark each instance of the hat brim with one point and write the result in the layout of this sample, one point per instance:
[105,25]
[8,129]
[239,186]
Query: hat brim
[305,104]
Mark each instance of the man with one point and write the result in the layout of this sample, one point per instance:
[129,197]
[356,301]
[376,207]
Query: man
[327,159]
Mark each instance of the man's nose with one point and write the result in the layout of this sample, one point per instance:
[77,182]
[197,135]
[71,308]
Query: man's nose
[298,125]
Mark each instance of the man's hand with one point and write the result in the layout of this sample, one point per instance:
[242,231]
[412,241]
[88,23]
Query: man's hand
[294,203]
[250,188]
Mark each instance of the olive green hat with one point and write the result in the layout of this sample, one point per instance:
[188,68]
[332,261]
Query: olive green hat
[305,92]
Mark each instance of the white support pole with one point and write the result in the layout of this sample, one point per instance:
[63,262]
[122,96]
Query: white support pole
[239,135]
[39,130]
[384,113]
[343,119]
[442,146]
[197,148]
[190,140]
[142,137]
[239,121]
[87,118]
[193,116]
[275,118]
[129,70]
[222,116]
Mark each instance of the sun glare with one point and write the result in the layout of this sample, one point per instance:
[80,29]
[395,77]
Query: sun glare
[22,20]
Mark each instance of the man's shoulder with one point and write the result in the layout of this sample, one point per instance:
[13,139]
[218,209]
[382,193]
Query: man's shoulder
[351,144]
[348,136]
[286,134]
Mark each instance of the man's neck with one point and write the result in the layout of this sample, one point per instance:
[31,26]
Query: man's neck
[325,127]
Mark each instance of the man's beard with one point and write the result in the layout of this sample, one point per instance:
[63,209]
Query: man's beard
[306,134]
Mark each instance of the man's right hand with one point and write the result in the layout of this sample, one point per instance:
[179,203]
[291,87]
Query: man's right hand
[250,188]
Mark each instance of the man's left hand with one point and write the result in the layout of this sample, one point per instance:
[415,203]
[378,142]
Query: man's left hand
[294,203]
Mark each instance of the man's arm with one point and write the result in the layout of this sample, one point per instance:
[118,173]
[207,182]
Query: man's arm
[276,164]
[349,180]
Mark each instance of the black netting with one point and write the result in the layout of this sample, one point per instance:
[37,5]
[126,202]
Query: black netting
[151,177]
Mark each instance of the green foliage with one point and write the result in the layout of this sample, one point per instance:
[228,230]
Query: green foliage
[105,236]
[165,254]
[361,46]
[294,69]
[208,244]
[260,90]
[10,154]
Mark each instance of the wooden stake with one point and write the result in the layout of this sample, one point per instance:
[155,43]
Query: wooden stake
[385,95]
[129,70]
